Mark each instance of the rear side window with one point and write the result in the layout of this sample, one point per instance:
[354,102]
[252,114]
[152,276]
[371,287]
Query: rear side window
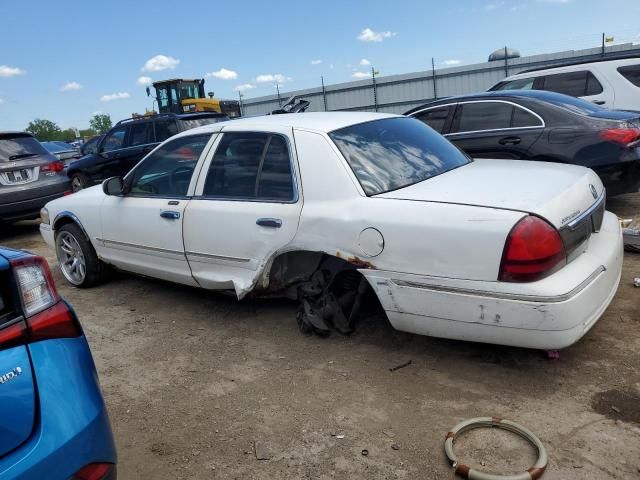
[15,148]
[165,129]
[436,118]
[522,118]
[631,73]
[141,134]
[471,117]
[249,165]
[575,84]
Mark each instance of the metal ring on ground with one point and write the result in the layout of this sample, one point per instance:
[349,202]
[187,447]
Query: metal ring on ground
[465,471]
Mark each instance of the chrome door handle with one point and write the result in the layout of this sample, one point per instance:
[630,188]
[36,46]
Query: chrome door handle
[269,222]
[598,102]
[170,214]
[509,141]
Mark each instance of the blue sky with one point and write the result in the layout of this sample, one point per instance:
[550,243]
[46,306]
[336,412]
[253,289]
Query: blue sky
[65,60]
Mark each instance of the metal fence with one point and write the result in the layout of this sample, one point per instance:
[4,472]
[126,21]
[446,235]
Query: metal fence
[399,93]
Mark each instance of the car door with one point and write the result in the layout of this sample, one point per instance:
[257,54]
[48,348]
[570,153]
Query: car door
[110,152]
[495,129]
[246,207]
[142,229]
[141,141]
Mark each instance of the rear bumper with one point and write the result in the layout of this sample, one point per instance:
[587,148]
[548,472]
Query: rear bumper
[73,427]
[552,313]
[27,204]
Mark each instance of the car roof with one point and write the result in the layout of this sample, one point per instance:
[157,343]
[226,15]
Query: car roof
[9,134]
[542,95]
[317,121]
[578,64]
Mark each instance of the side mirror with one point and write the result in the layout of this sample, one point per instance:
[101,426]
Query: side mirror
[113,186]
[148,92]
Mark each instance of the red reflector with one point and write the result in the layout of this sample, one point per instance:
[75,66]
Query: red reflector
[52,167]
[621,136]
[68,192]
[12,336]
[533,251]
[93,471]
[54,322]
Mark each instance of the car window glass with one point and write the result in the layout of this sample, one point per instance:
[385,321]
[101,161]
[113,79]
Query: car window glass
[393,153]
[436,118]
[163,97]
[275,181]
[21,146]
[165,128]
[472,117]
[631,73]
[168,171]
[91,146]
[519,84]
[594,87]
[141,133]
[572,83]
[114,139]
[522,118]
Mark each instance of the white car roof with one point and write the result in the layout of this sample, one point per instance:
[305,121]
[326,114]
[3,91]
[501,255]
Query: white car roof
[318,121]
[620,62]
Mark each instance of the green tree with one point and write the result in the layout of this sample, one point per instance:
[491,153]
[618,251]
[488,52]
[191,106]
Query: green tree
[101,123]
[44,130]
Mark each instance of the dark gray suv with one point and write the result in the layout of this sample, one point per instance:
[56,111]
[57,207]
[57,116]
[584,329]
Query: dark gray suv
[30,177]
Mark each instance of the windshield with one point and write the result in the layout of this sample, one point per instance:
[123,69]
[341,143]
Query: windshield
[189,91]
[576,105]
[14,148]
[395,152]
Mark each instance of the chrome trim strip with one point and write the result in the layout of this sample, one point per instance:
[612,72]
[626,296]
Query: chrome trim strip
[504,296]
[218,257]
[573,223]
[139,247]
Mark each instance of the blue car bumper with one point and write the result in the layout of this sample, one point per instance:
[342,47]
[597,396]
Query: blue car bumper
[72,427]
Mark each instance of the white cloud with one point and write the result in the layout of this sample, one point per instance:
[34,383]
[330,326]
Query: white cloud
[361,75]
[6,71]
[67,87]
[223,74]
[332,66]
[316,62]
[114,96]
[553,1]
[144,81]
[365,62]
[490,6]
[243,87]
[368,35]
[1,100]
[451,62]
[276,77]
[160,62]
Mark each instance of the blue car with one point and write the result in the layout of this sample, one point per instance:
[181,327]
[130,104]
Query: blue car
[53,420]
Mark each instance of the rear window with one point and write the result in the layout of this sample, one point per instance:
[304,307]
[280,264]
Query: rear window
[576,105]
[199,122]
[393,153]
[15,148]
[631,73]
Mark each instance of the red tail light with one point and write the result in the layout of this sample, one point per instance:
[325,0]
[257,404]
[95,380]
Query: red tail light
[95,471]
[56,167]
[46,315]
[621,136]
[533,250]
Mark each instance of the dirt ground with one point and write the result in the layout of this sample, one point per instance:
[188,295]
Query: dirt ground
[198,386]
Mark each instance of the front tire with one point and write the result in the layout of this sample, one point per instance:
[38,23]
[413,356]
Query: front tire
[77,258]
[79,181]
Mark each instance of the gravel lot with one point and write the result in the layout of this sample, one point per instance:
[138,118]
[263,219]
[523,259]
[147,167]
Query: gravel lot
[198,386]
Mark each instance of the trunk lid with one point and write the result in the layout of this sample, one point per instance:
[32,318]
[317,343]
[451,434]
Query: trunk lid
[21,157]
[17,390]
[557,192]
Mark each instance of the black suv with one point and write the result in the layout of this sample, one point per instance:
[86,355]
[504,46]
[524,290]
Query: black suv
[128,141]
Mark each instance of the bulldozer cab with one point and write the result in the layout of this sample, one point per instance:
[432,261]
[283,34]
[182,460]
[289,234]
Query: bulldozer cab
[187,96]
[171,93]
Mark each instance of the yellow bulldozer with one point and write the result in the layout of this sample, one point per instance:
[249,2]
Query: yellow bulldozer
[179,95]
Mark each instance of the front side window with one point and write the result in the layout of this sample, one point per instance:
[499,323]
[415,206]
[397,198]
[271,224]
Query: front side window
[163,97]
[114,140]
[248,165]
[141,134]
[631,73]
[394,153]
[471,117]
[436,118]
[167,172]
[91,146]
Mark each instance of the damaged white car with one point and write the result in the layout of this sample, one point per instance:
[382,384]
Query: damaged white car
[328,207]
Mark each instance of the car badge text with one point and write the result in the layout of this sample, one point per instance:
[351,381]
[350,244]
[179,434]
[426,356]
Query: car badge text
[7,377]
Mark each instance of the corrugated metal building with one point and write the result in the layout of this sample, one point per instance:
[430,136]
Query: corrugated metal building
[399,93]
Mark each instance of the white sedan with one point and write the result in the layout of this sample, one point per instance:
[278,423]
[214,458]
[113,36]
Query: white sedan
[330,207]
